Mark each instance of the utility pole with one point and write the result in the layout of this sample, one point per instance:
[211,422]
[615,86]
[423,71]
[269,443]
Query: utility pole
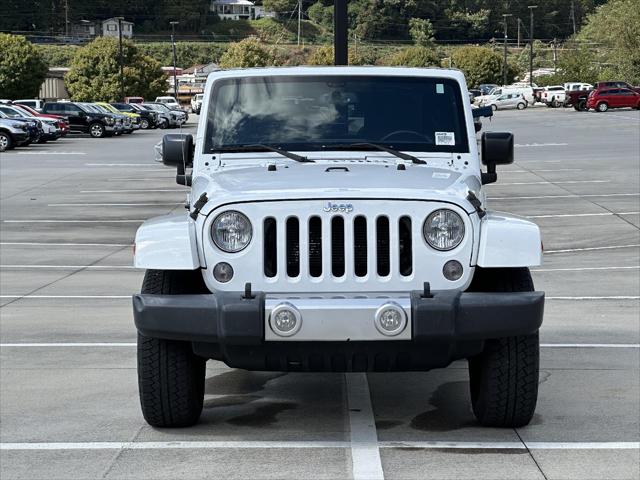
[121,59]
[531,8]
[340,32]
[299,19]
[66,18]
[173,47]
[519,36]
[504,64]
[555,55]
[573,16]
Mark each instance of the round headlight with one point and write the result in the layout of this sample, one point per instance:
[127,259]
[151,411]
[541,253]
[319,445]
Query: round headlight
[231,231]
[443,229]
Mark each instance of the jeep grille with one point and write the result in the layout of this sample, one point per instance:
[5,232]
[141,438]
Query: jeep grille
[349,243]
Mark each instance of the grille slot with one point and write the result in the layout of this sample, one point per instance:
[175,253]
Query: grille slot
[293,247]
[360,246]
[270,247]
[405,247]
[315,247]
[337,246]
[382,246]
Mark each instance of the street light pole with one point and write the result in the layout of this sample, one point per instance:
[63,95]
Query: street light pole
[340,40]
[504,64]
[121,59]
[531,8]
[173,46]
[299,19]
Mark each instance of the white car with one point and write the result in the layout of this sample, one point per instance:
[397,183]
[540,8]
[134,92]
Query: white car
[170,102]
[526,92]
[508,100]
[196,103]
[36,104]
[338,221]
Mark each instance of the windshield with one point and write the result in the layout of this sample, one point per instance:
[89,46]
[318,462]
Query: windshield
[12,112]
[158,107]
[315,112]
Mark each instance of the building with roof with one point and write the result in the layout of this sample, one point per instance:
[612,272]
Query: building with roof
[238,10]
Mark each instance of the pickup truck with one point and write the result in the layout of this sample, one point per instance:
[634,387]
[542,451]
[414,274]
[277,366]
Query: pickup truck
[338,220]
[553,96]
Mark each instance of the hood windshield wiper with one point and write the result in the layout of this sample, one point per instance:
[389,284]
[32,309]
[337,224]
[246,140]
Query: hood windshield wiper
[259,147]
[382,148]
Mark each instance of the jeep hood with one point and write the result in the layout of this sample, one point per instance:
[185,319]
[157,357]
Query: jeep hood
[336,180]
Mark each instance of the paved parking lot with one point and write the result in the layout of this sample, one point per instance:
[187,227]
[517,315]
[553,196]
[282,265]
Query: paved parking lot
[68,389]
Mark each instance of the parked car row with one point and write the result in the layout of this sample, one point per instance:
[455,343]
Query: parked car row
[23,122]
[580,96]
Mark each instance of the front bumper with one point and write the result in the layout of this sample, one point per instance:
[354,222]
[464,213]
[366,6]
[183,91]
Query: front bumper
[445,327]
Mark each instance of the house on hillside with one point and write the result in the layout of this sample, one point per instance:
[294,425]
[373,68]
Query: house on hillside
[238,10]
[110,28]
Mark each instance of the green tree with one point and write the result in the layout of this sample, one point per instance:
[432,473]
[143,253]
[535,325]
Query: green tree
[421,31]
[249,52]
[413,57]
[95,72]
[480,65]
[616,26]
[22,68]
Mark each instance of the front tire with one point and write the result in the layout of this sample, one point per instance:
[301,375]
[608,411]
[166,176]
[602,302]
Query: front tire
[170,376]
[144,124]
[6,142]
[602,107]
[521,106]
[97,130]
[504,377]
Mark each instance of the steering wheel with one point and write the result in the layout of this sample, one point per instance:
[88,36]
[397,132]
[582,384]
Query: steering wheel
[403,132]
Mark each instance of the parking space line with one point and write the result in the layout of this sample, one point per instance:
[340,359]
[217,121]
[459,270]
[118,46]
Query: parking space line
[601,297]
[193,445]
[541,197]
[65,345]
[123,165]
[47,244]
[365,455]
[533,170]
[516,445]
[581,269]
[74,297]
[133,344]
[114,204]
[72,267]
[137,191]
[170,445]
[74,221]
[524,145]
[568,215]
[564,182]
[589,249]
[590,345]
[49,153]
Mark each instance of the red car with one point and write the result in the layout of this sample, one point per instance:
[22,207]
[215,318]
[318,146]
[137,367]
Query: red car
[61,121]
[605,98]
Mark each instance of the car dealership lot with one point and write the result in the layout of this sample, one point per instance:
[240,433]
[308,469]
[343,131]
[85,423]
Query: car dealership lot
[68,394]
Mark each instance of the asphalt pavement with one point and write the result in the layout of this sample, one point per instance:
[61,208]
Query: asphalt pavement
[69,404]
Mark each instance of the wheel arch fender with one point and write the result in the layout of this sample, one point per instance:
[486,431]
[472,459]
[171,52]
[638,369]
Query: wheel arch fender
[508,241]
[167,242]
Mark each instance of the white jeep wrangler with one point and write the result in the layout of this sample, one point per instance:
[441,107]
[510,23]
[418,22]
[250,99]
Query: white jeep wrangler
[337,221]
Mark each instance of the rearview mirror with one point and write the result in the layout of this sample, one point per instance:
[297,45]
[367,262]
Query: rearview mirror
[497,149]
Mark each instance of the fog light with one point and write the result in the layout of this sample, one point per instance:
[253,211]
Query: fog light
[390,319]
[223,272]
[452,270]
[285,320]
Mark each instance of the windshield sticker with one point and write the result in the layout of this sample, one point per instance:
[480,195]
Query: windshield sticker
[445,138]
[441,175]
[439,88]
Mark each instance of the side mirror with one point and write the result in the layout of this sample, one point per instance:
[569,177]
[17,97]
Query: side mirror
[497,149]
[177,151]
